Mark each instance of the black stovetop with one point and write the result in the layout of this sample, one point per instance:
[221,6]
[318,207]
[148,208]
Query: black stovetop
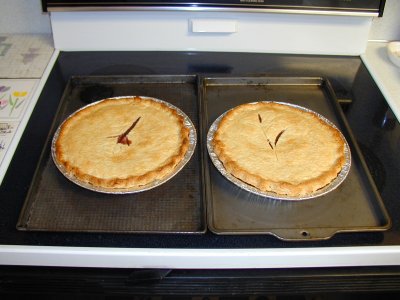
[371,120]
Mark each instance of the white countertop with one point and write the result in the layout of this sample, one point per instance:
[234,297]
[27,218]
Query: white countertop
[385,73]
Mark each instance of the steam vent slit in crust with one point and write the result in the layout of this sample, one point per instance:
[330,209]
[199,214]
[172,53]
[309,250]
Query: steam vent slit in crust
[122,143]
[279,148]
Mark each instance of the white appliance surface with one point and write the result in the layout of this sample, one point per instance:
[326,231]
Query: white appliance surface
[199,258]
[193,31]
[220,31]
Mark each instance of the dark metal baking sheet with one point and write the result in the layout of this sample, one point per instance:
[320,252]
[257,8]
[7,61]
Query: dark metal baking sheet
[355,206]
[54,203]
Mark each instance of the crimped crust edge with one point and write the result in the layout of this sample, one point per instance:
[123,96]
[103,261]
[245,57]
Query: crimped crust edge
[267,185]
[131,181]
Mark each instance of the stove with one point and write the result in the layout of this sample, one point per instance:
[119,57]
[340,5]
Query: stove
[372,129]
[373,255]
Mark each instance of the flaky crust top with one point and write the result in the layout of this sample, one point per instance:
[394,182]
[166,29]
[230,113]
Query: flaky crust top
[279,148]
[87,145]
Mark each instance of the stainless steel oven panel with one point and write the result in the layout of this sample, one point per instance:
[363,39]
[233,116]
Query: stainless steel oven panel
[355,7]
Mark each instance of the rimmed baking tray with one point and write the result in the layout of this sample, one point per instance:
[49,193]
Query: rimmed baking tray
[55,203]
[354,206]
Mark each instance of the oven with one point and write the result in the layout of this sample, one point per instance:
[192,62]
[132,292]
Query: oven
[200,234]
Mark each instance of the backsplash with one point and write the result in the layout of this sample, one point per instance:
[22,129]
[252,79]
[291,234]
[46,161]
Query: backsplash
[23,16]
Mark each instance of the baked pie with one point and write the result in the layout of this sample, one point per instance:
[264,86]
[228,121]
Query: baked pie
[279,148]
[124,142]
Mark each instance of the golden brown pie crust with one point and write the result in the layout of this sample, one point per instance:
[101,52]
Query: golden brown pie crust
[87,144]
[279,148]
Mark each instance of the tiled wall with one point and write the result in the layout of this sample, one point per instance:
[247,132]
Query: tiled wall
[23,60]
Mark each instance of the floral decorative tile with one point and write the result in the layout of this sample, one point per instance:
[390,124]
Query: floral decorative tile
[14,95]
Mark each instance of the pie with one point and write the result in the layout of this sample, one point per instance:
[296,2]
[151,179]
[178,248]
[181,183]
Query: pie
[279,148]
[122,142]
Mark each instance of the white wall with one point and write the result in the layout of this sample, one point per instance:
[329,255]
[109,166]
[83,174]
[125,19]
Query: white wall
[387,27]
[23,16]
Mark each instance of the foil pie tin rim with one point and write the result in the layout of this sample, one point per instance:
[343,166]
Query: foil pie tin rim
[189,153]
[245,186]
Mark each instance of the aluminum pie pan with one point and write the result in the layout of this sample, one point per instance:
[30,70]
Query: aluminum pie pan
[189,153]
[322,191]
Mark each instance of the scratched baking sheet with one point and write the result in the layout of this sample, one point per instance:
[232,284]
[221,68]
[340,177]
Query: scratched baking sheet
[353,206]
[55,203]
